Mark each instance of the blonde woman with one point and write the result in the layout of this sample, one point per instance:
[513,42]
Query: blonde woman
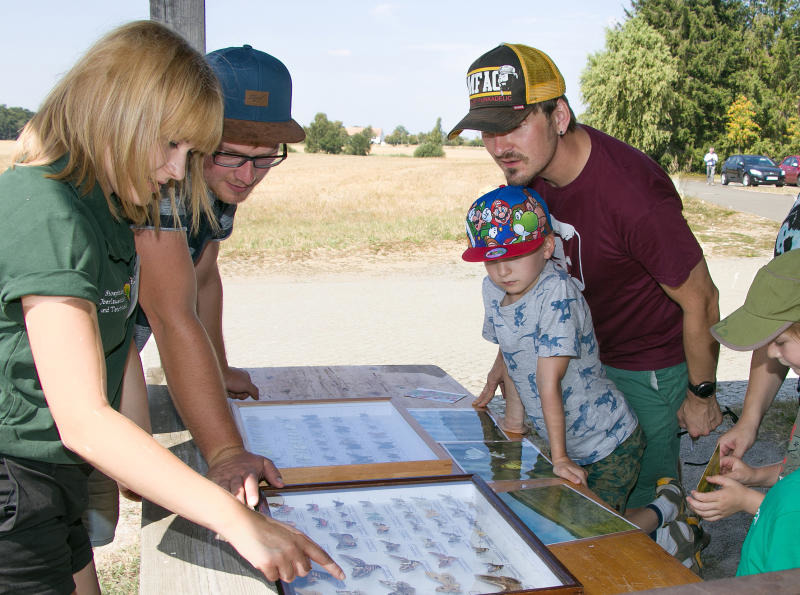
[138,110]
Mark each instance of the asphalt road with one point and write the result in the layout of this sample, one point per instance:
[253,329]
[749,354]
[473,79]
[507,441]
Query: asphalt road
[764,201]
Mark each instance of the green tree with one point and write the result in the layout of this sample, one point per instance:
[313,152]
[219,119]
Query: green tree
[629,87]
[432,145]
[324,135]
[741,129]
[399,136]
[360,143]
[12,119]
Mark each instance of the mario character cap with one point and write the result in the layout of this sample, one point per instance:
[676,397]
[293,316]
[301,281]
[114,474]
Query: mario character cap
[509,221]
[258,97]
[502,85]
[772,305]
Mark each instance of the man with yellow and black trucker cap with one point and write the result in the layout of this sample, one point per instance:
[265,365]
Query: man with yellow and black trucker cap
[623,238]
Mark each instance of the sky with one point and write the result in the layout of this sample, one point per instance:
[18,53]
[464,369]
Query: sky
[361,62]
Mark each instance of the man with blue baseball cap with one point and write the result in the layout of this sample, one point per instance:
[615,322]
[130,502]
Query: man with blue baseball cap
[181,288]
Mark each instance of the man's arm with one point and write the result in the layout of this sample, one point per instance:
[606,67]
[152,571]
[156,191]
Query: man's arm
[168,294]
[699,300]
[209,309]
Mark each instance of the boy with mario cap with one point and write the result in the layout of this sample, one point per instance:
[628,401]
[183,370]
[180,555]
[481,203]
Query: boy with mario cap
[770,317]
[181,288]
[537,315]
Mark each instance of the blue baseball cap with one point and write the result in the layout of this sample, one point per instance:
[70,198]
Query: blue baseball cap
[257,89]
[506,222]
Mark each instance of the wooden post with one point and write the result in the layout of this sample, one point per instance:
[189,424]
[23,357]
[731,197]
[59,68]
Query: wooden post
[187,17]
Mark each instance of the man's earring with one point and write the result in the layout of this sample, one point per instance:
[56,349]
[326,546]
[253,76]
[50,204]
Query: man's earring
[560,133]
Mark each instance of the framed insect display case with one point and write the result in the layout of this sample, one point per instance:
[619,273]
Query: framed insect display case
[417,535]
[500,460]
[458,425]
[339,439]
[559,513]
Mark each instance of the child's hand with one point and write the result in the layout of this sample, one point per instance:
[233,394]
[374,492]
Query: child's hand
[567,469]
[735,468]
[732,497]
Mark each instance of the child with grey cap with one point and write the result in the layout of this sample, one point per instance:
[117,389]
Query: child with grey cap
[769,317]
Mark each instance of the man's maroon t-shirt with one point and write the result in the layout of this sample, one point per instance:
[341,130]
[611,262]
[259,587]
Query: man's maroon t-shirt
[622,234]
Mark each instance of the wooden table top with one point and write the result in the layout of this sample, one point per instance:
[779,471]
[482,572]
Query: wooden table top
[179,556]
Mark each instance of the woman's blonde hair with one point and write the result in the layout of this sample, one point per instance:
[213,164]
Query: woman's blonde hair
[137,88]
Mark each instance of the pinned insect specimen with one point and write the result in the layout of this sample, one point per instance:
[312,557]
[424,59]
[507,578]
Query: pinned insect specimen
[406,565]
[346,541]
[399,587]
[375,516]
[444,559]
[312,507]
[381,528]
[283,509]
[508,583]
[348,523]
[338,503]
[390,547]
[320,522]
[494,568]
[480,550]
[365,503]
[429,542]
[360,568]
[452,537]
[447,582]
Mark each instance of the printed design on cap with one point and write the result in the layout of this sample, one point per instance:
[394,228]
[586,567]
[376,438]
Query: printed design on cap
[491,83]
[496,253]
[500,224]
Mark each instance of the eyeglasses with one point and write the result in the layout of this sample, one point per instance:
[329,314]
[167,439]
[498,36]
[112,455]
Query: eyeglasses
[259,161]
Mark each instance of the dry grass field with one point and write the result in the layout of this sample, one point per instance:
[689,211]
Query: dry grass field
[316,208]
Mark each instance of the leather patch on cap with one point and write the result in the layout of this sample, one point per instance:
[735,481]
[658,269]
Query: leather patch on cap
[256,98]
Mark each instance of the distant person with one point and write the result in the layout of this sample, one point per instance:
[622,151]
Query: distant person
[624,240]
[710,160]
[181,287]
[136,111]
[769,320]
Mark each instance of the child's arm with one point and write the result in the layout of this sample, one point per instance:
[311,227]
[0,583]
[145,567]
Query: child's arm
[65,342]
[549,372]
[514,419]
[494,379]
[736,468]
[766,377]
[732,497]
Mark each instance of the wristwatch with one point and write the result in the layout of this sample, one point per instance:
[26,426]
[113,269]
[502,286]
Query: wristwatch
[704,389]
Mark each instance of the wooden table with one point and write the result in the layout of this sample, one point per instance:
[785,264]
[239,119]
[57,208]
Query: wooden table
[178,556]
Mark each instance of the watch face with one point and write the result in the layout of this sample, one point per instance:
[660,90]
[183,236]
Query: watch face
[704,389]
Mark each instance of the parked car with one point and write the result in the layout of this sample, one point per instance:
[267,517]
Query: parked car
[751,170]
[791,167]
